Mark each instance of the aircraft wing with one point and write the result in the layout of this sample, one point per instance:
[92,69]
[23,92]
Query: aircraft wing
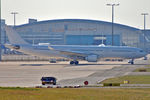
[72,53]
[69,53]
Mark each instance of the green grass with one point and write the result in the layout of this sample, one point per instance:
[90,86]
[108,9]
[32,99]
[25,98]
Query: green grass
[147,65]
[136,79]
[138,70]
[74,94]
[17,88]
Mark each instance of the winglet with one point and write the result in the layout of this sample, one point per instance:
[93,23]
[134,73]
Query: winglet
[50,47]
[102,45]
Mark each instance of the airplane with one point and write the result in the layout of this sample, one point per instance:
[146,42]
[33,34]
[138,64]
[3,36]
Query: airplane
[90,53]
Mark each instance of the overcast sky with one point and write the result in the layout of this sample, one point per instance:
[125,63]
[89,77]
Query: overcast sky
[128,12]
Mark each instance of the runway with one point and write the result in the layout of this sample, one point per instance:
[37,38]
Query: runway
[28,74]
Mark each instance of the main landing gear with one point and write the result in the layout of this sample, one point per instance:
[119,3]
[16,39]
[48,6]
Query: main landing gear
[145,58]
[131,61]
[74,62]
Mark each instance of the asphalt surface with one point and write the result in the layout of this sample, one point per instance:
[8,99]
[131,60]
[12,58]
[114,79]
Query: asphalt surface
[28,74]
[101,75]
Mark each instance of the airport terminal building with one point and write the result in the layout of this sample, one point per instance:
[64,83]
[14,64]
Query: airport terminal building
[81,32]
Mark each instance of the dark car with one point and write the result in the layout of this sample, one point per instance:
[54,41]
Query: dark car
[48,80]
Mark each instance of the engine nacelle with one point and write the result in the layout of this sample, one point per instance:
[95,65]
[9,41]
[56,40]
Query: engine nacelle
[16,47]
[92,58]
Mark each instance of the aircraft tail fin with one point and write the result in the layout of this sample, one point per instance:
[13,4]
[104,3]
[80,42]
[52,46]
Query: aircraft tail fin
[13,36]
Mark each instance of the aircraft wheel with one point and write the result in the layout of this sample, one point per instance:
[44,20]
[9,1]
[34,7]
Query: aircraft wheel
[132,63]
[145,58]
[76,62]
[71,62]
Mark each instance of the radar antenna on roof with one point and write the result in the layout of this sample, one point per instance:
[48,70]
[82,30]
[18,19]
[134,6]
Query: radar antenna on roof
[102,45]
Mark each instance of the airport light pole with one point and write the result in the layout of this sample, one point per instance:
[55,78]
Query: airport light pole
[112,5]
[144,14]
[14,13]
[0,35]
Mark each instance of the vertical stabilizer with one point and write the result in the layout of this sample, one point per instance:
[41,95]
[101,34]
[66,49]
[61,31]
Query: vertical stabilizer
[13,36]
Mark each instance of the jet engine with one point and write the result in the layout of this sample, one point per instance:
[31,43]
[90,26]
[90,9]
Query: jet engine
[16,47]
[92,58]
